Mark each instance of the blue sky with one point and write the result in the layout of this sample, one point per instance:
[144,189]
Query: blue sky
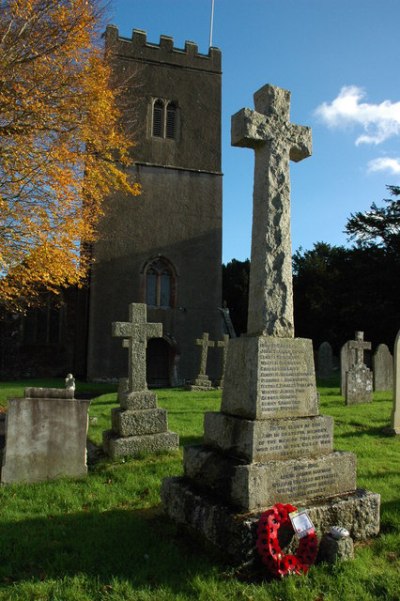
[340,60]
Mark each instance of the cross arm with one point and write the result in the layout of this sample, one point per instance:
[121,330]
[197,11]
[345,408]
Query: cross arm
[154,330]
[301,143]
[121,328]
[247,128]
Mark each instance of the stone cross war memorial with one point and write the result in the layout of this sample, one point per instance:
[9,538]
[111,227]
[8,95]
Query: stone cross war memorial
[268,444]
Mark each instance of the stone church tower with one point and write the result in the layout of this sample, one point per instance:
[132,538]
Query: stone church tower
[163,248]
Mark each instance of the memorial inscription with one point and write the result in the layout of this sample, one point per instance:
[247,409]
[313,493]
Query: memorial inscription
[283,377]
[287,440]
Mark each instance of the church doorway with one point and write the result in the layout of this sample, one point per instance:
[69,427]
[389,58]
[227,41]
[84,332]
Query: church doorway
[159,361]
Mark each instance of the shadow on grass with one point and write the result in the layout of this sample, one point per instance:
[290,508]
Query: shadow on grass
[139,546]
[362,430]
[190,440]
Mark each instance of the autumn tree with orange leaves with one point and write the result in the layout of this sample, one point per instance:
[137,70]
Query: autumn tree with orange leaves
[62,149]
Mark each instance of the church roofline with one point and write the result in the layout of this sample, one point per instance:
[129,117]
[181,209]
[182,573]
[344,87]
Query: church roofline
[138,48]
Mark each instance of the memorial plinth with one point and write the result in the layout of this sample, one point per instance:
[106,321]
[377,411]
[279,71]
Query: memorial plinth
[271,447]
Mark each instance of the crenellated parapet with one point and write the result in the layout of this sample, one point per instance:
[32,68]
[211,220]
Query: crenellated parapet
[140,49]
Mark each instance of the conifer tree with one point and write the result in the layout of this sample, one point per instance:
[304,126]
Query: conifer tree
[379,225]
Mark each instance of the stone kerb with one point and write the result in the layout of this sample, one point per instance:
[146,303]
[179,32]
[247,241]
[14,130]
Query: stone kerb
[45,436]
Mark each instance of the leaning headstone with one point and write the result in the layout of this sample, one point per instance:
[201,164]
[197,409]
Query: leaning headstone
[382,368]
[138,425]
[359,377]
[395,419]
[325,360]
[268,444]
[45,436]
[224,345]
[202,381]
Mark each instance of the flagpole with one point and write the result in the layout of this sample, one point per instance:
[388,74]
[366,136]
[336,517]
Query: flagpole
[211,22]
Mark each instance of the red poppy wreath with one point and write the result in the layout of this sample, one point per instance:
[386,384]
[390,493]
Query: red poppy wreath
[277,562]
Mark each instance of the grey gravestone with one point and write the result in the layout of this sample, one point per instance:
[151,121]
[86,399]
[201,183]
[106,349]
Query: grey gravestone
[268,444]
[347,358]
[359,377]
[325,360]
[395,418]
[137,424]
[202,381]
[382,368]
[223,344]
[45,436]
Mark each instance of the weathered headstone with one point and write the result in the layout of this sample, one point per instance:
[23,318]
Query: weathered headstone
[138,425]
[268,444]
[325,360]
[224,345]
[347,358]
[358,377]
[382,368]
[45,436]
[395,419]
[202,381]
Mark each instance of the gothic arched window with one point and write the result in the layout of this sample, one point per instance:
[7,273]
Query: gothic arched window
[158,119]
[171,120]
[164,119]
[160,281]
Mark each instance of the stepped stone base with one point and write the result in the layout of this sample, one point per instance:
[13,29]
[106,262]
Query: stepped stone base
[200,383]
[135,401]
[263,440]
[138,423]
[254,485]
[116,446]
[234,534]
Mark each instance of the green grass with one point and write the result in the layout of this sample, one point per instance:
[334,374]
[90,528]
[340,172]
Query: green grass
[105,537]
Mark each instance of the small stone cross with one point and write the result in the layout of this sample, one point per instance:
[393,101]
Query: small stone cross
[136,332]
[359,346]
[205,344]
[275,140]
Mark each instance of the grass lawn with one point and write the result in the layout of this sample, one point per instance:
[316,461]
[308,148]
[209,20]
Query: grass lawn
[105,537]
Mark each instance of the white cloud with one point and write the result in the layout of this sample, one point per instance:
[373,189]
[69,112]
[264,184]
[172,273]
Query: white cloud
[385,164]
[379,121]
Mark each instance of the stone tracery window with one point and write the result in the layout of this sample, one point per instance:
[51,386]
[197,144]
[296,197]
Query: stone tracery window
[164,119]
[160,282]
